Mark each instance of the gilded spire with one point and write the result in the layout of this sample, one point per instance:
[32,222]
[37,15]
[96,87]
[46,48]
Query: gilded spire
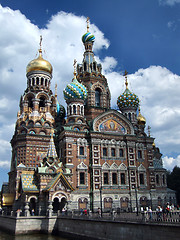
[87,24]
[40,46]
[126,82]
[74,64]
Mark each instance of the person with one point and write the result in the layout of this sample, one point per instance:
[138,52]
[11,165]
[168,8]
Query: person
[150,213]
[81,213]
[63,211]
[85,212]
[99,212]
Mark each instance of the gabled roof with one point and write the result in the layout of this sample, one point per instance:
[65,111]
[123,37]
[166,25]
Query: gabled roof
[59,177]
[29,183]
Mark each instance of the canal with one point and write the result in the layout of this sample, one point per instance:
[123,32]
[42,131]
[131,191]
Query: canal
[6,236]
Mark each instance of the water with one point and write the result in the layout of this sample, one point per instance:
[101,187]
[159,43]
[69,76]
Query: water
[6,236]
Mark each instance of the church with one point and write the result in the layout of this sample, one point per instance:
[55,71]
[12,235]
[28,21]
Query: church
[87,156]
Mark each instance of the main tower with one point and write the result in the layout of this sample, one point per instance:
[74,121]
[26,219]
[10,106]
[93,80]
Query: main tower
[89,73]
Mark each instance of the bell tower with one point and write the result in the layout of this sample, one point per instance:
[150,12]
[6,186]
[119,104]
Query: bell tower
[35,118]
[89,74]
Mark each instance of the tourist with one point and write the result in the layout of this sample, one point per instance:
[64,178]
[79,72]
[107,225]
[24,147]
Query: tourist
[150,213]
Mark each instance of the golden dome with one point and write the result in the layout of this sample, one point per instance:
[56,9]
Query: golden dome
[141,119]
[39,64]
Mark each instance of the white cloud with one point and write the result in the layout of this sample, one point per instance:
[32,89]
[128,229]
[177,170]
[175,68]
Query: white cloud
[170,161]
[169,2]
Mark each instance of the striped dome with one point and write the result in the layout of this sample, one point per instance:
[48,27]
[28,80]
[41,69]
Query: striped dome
[128,99]
[75,90]
[88,37]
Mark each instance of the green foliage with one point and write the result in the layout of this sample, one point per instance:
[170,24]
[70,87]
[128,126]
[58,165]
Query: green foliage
[173,181]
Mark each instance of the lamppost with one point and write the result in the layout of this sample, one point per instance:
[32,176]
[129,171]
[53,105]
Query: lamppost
[137,210]
[100,190]
[150,197]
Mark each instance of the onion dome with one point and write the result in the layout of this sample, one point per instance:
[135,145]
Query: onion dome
[88,37]
[39,64]
[127,99]
[141,120]
[75,90]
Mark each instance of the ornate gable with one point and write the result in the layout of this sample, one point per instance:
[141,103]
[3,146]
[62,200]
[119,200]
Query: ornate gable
[113,122]
[114,166]
[122,167]
[106,166]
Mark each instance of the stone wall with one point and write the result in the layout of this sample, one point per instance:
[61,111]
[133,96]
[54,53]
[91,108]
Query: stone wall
[90,229]
[110,230]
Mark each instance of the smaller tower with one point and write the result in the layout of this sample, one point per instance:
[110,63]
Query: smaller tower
[128,103]
[75,94]
[141,122]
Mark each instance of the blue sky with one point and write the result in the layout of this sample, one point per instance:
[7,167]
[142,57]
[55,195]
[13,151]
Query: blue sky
[141,36]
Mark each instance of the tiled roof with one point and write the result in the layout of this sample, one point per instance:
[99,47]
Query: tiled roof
[29,183]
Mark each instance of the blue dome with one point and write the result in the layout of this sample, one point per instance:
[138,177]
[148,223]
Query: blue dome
[128,99]
[88,37]
[75,90]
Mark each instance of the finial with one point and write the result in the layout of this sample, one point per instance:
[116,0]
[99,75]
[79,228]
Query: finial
[74,64]
[40,46]
[126,82]
[87,24]
[149,131]
[56,91]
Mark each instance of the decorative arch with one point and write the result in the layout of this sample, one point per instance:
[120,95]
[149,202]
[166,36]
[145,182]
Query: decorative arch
[33,196]
[59,195]
[106,166]
[122,167]
[82,203]
[108,203]
[113,121]
[114,166]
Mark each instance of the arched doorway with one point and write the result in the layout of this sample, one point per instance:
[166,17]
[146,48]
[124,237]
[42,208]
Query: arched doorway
[32,206]
[59,204]
[124,203]
[56,204]
[143,202]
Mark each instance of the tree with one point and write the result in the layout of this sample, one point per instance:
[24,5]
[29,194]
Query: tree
[173,181]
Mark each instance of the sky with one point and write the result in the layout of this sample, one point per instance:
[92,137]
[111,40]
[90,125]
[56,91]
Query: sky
[140,36]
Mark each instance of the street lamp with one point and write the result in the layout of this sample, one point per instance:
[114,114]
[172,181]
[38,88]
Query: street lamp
[137,211]
[100,190]
[150,197]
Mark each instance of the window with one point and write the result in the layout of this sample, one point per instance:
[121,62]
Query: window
[123,178]
[82,178]
[163,179]
[114,178]
[42,102]
[74,109]
[157,179]
[141,178]
[97,97]
[113,152]
[139,154]
[121,154]
[104,151]
[106,178]
[81,150]
[30,102]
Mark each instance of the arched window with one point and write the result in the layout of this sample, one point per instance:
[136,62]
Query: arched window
[42,102]
[30,102]
[46,82]
[97,97]
[33,81]
[74,109]
[81,110]
[94,66]
[157,179]
[37,81]
[42,81]
[129,116]
[85,68]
